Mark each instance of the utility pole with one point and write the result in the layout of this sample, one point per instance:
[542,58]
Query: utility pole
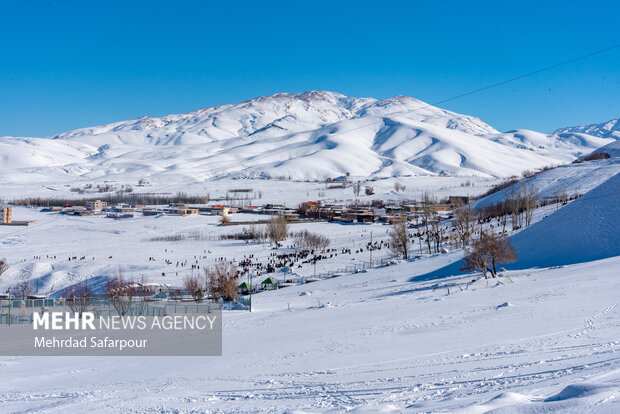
[9,292]
[371,249]
[251,289]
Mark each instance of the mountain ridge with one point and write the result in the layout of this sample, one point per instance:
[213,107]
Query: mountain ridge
[308,135]
[608,129]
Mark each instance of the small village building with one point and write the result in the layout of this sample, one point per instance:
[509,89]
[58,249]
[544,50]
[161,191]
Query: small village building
[7,218]
[394,210]
[6,215]
[122,208]
[220,210]
[250,209]
[288,216]
[379,212]
[152,212]
[309,207]
[412,208]
[187,211]
[366,218]
[52,209]
[82,212]
[96,205]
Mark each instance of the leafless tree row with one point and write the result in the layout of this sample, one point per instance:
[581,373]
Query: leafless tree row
[310,241]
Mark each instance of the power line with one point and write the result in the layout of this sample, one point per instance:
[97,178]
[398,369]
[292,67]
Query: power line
[472,92]
[557,65]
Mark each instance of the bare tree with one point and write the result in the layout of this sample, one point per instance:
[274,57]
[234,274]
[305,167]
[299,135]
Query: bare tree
[530,201]
[24,290]
[464,221]
[222,281]
[486,253]
[369,190]
[429,216]
[3,266]
[399,237]
[195,286]
[277,229]
[310,241]
[258,234]
[501,251]
[120,292]
[78,297]
[514,206]
[357,188]
[561,197]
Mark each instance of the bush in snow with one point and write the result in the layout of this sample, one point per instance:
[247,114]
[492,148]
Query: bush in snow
[221,281]
[487,252]
[195,286]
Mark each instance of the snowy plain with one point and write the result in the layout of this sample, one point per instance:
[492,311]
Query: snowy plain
[367,342]
[384,340]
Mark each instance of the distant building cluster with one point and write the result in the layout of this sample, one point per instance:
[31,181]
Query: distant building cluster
[123,210]
[377,210]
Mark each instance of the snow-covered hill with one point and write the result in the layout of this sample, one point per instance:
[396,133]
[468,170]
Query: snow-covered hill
[574,178]
[312,135]
[584,230]
[609,129]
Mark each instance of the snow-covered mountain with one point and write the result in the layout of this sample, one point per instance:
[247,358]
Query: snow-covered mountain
[312,135]
[609,129]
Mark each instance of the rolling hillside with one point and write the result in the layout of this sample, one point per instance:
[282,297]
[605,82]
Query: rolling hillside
[312,135]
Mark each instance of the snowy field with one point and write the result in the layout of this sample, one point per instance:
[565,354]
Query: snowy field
[62,250]
[409,337]
[290,193]
[44,254]
[371,342]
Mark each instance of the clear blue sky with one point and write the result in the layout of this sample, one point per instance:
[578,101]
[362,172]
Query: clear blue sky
[66,65]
